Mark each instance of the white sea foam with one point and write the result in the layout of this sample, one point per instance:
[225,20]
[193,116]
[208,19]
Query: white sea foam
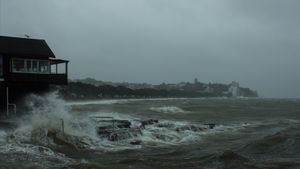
[168,110]
[49,112]
[119,101]
[96,102]
[3,136]
[28,149]
[26,153]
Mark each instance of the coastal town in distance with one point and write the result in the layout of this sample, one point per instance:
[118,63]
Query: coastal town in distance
[90,88]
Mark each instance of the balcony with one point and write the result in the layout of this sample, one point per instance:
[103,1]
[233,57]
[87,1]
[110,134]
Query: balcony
[58,79]
[52,71]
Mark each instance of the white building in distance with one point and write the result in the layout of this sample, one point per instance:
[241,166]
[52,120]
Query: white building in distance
[234,89]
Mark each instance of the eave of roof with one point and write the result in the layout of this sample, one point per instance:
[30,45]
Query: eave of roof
[58,61]
[25,47]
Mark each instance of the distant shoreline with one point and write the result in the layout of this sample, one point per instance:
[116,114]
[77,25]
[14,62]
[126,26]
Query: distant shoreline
[121,100]
[84,91]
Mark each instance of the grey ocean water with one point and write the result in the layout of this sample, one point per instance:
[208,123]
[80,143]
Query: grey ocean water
[249,133]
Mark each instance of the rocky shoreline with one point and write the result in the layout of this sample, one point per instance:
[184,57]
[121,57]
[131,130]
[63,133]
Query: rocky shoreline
[111,130]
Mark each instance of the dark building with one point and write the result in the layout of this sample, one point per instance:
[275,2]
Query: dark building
[27,66]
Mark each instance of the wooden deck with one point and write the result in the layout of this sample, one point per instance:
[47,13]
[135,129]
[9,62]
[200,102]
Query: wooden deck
[56,79]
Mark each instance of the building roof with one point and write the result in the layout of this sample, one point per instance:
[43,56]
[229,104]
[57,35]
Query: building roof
[57,61]
[25,47]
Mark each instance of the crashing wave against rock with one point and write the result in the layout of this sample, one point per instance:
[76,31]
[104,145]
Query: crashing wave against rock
[117,130]
[101,131]
[53,137]
[122,129]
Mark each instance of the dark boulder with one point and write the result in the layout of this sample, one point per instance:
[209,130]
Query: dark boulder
[195,128]
[148,122]
[166,125]
[136,142]
[116,123]
[122,123]
[53,137]
[211,125]
[190,128]
[113,134]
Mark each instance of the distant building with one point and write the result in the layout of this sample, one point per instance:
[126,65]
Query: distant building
[208,89]
[196,81]
[27,66]
[234,89]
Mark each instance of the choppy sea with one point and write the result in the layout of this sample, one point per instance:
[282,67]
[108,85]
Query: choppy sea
[208,133]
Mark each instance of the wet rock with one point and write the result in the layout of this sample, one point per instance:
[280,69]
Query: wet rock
[12,136]
[211,125]
[121,129]
[148,122]
[123,124]
[52,137]
[39,136]
[190,128]
[116,123]
[67,140]
[104,130]
[136,142]
[124,134]
[165,125]
[118,134]
[195,128]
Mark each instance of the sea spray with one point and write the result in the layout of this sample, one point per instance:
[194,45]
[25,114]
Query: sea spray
[51,112]
[47,115]
[47,111]
[43,126]
[185,143]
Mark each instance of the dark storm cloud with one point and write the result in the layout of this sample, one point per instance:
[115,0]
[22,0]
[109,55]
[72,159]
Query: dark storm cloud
[254,42]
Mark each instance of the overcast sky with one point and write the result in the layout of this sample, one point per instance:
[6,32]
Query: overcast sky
[254,42]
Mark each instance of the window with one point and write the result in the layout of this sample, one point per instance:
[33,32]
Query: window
[31,66]
[44,67]
[1,66]
[28,66]
[34,66]
[18,65]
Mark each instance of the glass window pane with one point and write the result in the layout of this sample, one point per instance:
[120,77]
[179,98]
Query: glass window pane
[28,66]
[18,65]
[44,66]
[34,66]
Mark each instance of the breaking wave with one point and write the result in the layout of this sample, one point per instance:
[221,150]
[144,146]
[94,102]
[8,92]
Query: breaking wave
[119,101]
[168,110]
[98,102]
[51,124]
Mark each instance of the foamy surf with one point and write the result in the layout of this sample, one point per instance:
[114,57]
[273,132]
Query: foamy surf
[51,116]
[96,102]
[168,110]
[118,101]
[53,131]
[23,154]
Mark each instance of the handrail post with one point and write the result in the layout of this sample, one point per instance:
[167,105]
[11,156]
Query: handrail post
[7,102]
[66,66]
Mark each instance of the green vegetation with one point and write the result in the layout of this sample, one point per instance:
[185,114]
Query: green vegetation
[80,91]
